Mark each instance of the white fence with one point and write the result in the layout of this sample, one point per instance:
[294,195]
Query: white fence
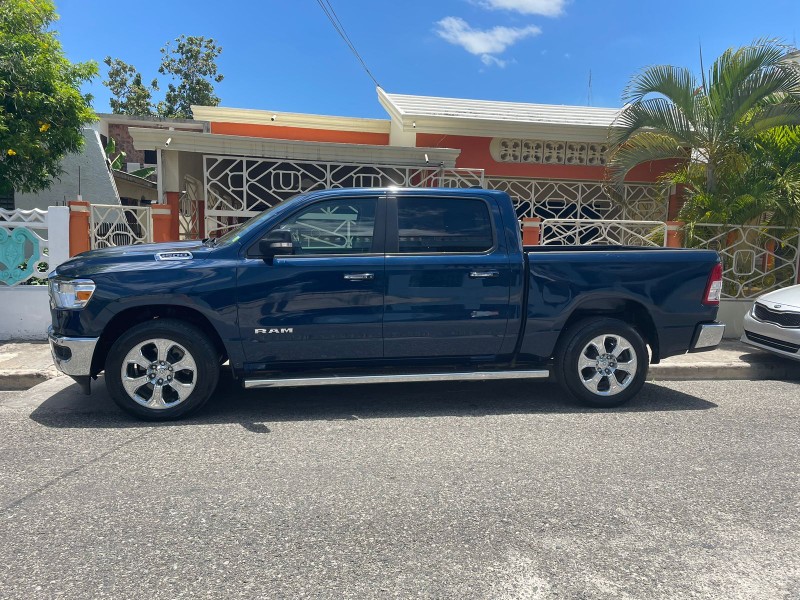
[569,199]
[32,243]
[755,259]
[586,232]
[237,188]
[116,225]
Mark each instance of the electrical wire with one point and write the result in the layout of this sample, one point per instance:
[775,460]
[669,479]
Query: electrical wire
[327,8]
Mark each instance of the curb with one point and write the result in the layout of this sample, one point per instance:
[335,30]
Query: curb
[12,380]
[18,379]
[739,370]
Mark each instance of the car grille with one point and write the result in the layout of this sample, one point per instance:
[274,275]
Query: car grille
[784,319]
[772,342]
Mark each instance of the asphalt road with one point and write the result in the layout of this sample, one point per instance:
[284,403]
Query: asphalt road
[484,490]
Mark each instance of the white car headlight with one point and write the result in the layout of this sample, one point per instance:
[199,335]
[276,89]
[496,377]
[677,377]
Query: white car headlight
[70,293]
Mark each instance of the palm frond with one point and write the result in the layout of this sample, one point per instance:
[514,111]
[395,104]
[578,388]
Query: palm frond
[770,117]
[645,147]
[732,69]
[653,114]
[780,82]
[676,84]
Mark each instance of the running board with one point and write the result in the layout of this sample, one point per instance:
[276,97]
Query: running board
[411,377]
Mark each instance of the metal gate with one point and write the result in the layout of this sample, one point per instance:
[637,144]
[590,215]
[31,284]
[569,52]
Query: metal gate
[190,221]
[117,225]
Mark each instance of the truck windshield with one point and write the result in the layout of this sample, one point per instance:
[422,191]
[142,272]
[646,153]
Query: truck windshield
[243,229]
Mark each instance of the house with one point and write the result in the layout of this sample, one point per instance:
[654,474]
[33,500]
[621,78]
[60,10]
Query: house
[551,159]
[86,173]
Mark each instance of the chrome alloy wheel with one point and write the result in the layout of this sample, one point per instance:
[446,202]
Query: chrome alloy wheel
[607,365]
[159,373]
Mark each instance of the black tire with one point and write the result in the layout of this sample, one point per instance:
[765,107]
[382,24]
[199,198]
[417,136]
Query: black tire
[180,390]
[593,385]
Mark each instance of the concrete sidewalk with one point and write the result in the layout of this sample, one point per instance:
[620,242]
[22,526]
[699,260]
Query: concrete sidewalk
[25,364]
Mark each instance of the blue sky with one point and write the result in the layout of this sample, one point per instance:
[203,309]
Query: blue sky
[284,55]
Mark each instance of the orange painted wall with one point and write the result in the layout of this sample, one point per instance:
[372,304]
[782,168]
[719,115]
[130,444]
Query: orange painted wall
[174,202]
[279,132]
[475,154]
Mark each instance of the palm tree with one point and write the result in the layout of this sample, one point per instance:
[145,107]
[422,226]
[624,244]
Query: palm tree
[718,130]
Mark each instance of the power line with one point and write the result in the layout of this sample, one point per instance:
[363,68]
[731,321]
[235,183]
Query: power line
[327,8]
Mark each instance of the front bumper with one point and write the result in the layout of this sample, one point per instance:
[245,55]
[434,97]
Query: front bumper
[774,338]
[72,356]
[707,336]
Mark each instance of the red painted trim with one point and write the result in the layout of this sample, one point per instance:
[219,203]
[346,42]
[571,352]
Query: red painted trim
[280,132]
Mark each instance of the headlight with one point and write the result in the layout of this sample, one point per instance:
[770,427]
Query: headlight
[70,293]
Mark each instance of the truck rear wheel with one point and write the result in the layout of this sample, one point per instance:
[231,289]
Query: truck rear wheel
[603,362]
[162,369]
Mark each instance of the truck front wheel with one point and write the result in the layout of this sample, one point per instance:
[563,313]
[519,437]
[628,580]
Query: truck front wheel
[162,369]
[603,362]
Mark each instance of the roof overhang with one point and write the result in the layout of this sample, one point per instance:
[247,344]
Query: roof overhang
[156,122]
[134,179]
[477,127]
[234,145]
[219,114]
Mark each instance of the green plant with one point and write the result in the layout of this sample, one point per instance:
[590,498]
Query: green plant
[716,132]
[116,163]
[42,109]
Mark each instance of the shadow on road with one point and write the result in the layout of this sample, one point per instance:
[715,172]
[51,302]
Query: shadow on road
[69,408]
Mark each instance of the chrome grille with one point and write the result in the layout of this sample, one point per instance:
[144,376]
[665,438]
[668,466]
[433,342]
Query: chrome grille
[782,318]
[772,342]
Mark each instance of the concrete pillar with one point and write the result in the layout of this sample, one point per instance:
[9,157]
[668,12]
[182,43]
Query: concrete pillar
[675,234]
[58,230]
[675,201]
[79,240]
[531,231]
[162,223]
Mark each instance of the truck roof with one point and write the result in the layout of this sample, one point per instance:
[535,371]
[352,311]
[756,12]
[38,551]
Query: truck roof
[427,191]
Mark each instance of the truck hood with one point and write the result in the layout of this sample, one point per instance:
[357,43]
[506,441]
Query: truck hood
[786,297]
[105,258]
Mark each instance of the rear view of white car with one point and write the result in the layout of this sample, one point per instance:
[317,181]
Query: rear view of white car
[774,323]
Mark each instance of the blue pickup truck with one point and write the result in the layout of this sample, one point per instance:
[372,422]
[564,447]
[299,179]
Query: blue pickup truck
[356,286]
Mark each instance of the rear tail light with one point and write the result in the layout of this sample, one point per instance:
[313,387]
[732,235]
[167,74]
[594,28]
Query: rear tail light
[714,286]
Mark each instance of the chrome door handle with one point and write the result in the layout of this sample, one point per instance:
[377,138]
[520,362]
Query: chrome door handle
[359,276]
[484,274]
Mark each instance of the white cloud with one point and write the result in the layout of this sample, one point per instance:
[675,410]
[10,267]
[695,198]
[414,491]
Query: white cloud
[484,43]
[548,8]
[490,60]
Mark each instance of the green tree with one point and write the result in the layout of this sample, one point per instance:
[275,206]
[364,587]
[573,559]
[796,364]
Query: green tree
[193,63]
[761,186]
[42,109]
[130,96]
[715,128]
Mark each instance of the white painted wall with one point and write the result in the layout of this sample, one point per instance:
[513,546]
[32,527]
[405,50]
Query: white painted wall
[57,235]
[26,312]
[731,312]
[96,186]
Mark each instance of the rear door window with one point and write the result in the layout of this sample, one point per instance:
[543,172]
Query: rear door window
[428,225]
